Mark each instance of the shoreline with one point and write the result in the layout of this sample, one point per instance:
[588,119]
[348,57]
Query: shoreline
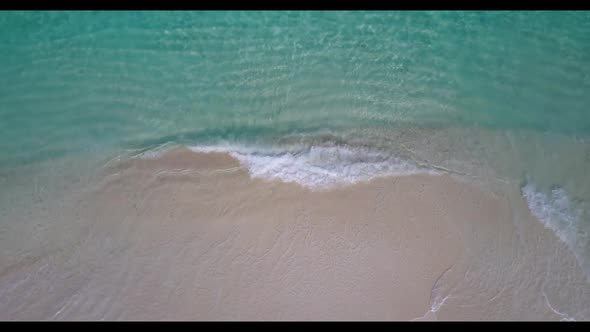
[191,235]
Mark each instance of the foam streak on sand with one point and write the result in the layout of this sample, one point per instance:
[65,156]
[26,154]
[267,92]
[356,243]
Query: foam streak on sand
[564,317]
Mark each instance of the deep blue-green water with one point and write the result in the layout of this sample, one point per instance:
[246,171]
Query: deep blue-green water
[496,95]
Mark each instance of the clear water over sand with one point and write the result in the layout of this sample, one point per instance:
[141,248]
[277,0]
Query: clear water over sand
[294,165]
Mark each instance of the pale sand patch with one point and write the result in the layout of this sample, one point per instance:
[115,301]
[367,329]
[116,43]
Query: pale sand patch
[190,236]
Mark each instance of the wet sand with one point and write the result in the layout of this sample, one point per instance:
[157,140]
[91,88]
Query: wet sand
[191,236]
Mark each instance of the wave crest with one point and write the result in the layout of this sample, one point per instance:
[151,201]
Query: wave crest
[319,166]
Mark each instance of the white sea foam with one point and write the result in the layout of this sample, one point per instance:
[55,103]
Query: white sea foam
[559,213]
[318,166]
[555,210]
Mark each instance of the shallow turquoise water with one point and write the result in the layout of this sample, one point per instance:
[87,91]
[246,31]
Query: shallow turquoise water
[102,83]
[79,81]
[310,97]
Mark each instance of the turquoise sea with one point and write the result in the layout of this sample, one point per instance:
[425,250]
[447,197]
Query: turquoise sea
[310,97]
